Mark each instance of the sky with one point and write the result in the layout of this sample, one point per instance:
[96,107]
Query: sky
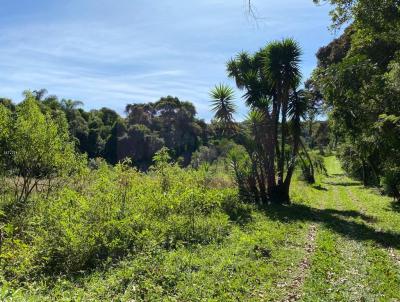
[108,53]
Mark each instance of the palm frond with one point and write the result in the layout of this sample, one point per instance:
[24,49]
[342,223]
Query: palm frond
[282,63]
[222,103]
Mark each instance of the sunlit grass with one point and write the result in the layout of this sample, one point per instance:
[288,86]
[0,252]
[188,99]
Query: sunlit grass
[357,233]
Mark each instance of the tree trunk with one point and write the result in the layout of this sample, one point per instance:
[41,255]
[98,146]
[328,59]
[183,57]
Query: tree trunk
[263,193]
[312,179]
[364,176]
[271,151]
[281,159]
[296,132]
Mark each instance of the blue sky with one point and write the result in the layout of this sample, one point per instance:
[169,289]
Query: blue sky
[110,53]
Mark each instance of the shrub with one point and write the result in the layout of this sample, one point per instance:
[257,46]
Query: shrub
[391,181]
[237,211]
[104,214]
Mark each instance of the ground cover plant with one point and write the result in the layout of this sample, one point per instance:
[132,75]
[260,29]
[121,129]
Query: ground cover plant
[337,241]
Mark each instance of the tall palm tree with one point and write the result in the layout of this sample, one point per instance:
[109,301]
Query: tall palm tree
[249,73]
[269,78]
[222,105]
[282,68]
[69,105]
[39,94]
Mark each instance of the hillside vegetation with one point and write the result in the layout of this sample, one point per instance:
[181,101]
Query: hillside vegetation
[337,241]
[159,205]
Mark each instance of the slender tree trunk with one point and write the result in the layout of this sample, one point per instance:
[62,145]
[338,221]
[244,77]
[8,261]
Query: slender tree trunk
[364,177]
[312,172]
[261,182]
[310,132]
[296,130]
[271,151]
[281,160]
[289,174]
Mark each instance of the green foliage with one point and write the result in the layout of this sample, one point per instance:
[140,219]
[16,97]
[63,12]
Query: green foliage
[35,147]
[223,107]
[168,122]
[243,172]
[5,128]
[147,128]
[388,127]
[105,214]
[237,211]
[270,79]
[310,163]
[161,160]
[339,240]
[358,77]
[370,14]
[391,181]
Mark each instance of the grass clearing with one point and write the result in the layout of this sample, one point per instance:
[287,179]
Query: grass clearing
[356,239]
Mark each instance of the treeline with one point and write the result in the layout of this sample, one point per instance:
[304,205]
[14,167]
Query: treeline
[359,77]
[147,127]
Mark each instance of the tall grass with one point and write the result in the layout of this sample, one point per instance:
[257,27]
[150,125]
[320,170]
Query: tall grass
[104,214]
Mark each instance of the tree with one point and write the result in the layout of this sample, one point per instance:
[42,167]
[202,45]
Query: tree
[270,79]
[113,142]
[70,105]
[283,71]
[38,147]
[139,144]
[223,107]
[37,94]
[170,120]
[373,13]
[314,108]
[357,75]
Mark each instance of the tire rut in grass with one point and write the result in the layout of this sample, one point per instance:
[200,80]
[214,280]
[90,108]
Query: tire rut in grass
[368,276]
[338,264]
[304,266]
[393,254]
[354,253]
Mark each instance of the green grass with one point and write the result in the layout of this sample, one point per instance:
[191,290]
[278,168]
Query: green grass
[357,240]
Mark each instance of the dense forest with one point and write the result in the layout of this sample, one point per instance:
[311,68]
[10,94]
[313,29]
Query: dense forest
[298,201]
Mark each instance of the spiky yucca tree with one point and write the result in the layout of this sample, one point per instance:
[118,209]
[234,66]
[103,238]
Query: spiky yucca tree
[270,79]
[222,105]
[282,68]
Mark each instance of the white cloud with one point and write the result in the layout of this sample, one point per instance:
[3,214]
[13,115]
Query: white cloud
[108,55]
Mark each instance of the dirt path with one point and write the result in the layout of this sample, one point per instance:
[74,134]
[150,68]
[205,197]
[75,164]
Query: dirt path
[304,266]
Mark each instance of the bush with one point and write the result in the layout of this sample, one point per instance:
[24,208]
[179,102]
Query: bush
[391,181]
[237,211]
[107,213]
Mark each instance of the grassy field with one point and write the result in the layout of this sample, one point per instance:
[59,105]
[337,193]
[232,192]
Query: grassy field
[338,241]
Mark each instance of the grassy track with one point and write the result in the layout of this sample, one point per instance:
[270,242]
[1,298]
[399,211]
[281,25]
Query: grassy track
[338,241]
[356,249]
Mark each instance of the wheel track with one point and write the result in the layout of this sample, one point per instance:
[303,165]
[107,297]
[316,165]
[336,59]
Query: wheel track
[304,267]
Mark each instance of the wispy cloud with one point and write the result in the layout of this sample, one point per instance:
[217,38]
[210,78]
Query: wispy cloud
[109,55]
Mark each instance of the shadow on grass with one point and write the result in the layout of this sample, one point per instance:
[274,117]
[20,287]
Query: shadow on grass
[395,206]
[319,188]
[343,184]
[334,220]
[336,174]
[351,213]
